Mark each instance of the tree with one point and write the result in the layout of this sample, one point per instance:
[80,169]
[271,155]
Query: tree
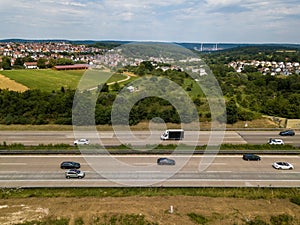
[52,62]
[103,87]
[6,63]
[249,69]
[116,87]
[41,63]
[64,61]
[141,70]
[19,63]
[232,112]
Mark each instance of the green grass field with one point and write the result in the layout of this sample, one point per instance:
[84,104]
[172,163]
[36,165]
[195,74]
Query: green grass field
[49,80]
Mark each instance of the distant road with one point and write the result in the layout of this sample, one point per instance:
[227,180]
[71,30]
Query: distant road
[142,170]
[141,137]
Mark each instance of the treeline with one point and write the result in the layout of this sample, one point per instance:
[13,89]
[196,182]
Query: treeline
[252,93]
[260,53]
[38,107]
[41,62]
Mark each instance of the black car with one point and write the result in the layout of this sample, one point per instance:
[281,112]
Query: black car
[249,157]
[70,165]
[165,161]
[287,133]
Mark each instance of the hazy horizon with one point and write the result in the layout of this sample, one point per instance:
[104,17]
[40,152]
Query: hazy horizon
[193,21]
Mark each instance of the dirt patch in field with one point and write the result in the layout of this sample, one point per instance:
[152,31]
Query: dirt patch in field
[154,209]
[6,83]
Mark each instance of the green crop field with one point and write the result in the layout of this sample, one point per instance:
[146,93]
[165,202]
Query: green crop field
[49,80]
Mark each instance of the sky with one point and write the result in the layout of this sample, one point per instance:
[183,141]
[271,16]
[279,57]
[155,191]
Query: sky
[200,21]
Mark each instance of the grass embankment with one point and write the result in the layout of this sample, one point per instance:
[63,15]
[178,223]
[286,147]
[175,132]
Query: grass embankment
[259,124]
[246,193]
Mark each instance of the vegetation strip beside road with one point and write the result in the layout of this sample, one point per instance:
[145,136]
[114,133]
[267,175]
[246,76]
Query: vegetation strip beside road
[159,149]
[247,193]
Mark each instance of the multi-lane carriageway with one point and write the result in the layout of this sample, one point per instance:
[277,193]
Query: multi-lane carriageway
[142,170]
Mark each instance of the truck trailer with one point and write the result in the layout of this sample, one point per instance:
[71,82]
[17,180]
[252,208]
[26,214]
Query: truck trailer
[172,134]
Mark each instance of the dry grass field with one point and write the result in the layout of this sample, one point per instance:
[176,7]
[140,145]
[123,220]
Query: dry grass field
[225,211]
[6,83]
[293,123]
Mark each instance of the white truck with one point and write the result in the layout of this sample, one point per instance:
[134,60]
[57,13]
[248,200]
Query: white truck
[173,134]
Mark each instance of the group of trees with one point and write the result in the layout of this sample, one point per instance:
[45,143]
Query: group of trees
[42,63]
[261,53]
[38,107]
[250,93]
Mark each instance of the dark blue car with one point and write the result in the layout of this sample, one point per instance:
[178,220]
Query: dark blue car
[251,157]
[165,161]
[70,165]
[287,133]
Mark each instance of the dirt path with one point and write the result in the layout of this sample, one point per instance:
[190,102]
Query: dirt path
[6,83]
[155,209]
[128,74]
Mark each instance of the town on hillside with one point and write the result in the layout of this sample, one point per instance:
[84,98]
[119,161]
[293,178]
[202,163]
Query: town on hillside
[63,55]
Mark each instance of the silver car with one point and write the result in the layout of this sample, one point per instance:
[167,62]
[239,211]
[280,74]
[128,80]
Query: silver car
[73,173]
[283,166]
[276,141]
[82,141]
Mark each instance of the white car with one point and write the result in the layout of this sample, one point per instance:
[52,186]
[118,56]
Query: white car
[82,141]
[73,173]
[276,141]
[283,166]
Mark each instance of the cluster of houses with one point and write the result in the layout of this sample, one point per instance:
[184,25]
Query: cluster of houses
[267,67]
[48,50]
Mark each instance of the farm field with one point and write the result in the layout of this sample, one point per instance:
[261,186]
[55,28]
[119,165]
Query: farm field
[52,80]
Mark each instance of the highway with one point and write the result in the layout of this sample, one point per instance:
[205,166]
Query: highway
[142,170]
[138,138]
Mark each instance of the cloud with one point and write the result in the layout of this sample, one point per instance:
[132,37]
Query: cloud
[172,20]
[222,3]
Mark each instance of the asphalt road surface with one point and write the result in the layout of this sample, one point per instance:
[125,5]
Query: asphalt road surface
[138,138]
[142,170]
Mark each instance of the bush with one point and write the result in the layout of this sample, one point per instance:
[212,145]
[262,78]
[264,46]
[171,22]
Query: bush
[126,219]
[296,200]
[256,221]
[78,221]
[47,221]
[199,219]
[282,219]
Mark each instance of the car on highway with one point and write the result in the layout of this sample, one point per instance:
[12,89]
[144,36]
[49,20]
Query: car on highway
[165,161]
[287,133]
[251,157]
[275,141]
[283,166]
[69,165]
[82,141]
[73,173]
